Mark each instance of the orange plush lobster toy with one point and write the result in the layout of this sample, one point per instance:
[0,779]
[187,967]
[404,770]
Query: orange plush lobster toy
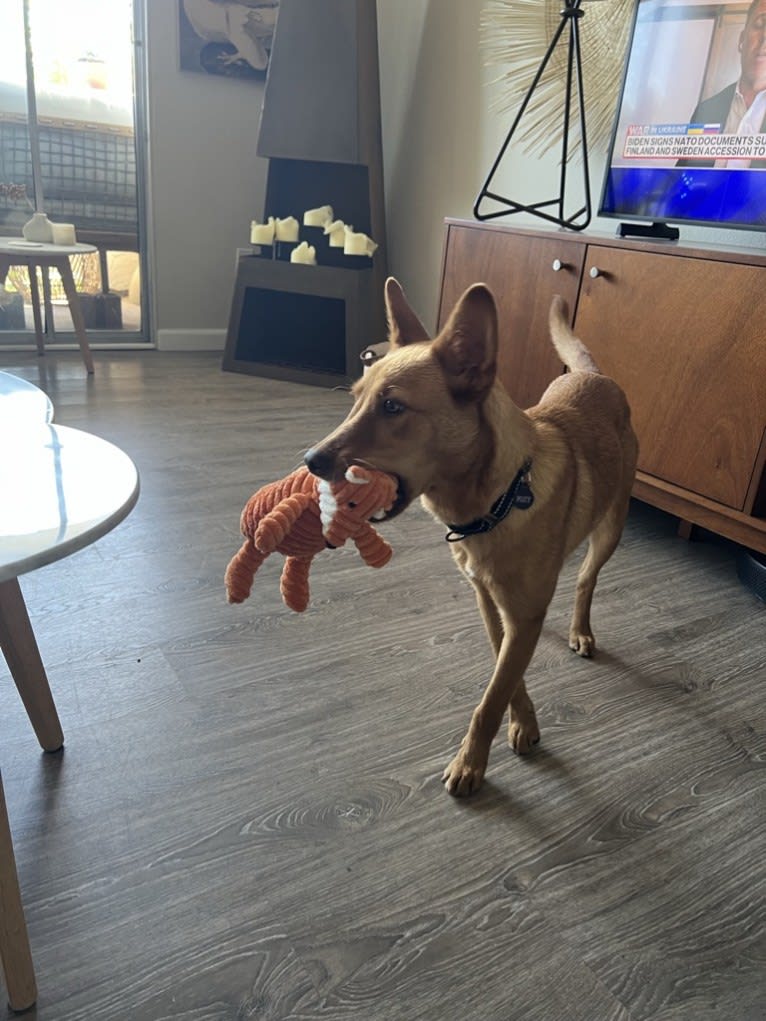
[300,516]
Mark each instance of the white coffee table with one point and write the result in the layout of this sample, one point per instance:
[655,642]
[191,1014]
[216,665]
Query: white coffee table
[18,252]
[60,490]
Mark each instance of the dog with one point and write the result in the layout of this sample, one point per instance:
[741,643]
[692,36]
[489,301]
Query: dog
[518,490]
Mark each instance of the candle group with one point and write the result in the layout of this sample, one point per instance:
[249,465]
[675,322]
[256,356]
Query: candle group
[287,229]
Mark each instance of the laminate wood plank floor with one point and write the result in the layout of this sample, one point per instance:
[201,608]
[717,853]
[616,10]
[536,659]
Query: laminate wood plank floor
[247,819]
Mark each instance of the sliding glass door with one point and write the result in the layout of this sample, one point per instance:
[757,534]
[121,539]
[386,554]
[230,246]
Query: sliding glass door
[89,128]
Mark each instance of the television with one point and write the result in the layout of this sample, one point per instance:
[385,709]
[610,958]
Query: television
[678,152]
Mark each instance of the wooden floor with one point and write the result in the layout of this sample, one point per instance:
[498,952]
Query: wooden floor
[247,820]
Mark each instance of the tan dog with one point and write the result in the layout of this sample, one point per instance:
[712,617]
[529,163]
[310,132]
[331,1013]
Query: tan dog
[518,490]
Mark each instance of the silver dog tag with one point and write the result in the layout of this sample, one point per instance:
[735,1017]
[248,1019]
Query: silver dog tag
[524,497]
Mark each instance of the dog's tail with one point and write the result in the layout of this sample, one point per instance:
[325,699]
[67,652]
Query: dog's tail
[573,353]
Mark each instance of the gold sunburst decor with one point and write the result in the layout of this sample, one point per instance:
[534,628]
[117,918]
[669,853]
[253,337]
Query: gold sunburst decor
[517,33]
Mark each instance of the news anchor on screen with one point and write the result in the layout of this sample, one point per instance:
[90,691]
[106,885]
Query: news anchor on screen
[740,108]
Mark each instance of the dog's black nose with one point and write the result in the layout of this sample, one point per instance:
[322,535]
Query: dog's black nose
[319,463]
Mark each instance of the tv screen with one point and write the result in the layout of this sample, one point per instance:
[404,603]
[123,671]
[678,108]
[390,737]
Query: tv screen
[689,144]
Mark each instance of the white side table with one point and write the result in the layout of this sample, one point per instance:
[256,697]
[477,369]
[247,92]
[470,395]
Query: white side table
[18,252]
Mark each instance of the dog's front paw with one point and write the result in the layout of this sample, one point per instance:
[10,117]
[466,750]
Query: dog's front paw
[583,645]
[462,777]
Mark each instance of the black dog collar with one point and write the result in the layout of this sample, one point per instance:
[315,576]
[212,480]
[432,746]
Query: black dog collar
[518,494]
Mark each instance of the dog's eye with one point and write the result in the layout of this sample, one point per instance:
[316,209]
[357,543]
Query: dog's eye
[392,407]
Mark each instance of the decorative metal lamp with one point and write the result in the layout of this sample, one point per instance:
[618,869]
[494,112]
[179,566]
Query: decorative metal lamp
[512,30]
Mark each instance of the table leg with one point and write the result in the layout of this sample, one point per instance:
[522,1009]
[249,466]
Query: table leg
[65,269]
[17,641]
[15,953]
[5,265]
[103,264]
[35,290]
[48,303]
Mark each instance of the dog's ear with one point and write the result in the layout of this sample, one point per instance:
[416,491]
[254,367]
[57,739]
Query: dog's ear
[403,325]
[467,346]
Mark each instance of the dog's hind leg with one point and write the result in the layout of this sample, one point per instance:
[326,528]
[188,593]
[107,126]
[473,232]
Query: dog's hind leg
[602,544]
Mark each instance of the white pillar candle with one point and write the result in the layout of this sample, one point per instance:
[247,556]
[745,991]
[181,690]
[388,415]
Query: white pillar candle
[337,232]
[287,229]
[317,217]
[63,234]
[304,253]
[357,243]
[262,233]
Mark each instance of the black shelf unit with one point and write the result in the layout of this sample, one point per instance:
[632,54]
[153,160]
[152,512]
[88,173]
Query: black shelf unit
[320,130]
[301,323]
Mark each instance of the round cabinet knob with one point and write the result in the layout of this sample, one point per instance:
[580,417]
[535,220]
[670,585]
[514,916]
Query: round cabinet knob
[594,272]
[556,265]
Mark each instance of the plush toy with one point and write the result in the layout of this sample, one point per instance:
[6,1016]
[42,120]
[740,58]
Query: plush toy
[300,516]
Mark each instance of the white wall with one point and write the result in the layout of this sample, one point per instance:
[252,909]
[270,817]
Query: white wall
[440,136]
[432,116]
[206,184]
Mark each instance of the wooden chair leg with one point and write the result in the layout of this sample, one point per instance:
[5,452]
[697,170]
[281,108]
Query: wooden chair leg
[15,953]
[65,269]
[17,642]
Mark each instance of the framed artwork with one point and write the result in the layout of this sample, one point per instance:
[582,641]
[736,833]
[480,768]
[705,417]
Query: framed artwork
[226,37]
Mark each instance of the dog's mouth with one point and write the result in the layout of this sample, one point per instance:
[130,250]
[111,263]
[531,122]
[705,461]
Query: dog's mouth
[401,502]
[330,468]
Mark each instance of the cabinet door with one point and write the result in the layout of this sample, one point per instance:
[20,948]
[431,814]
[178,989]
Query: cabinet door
[519,270]
[684,337]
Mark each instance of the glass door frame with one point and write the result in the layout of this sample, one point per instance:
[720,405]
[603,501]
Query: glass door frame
[141,139]
[105,339]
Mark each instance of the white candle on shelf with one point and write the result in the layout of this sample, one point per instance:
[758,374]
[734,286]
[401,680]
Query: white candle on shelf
[337,232]
[63,234]
[287,229]
[317,217]
[262,233]
[357,243]
[304,253]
